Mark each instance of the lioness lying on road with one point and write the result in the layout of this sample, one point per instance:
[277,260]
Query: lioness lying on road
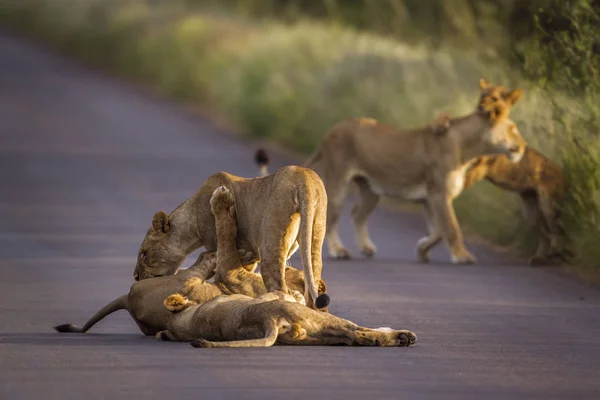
[144,302]
[242,321]
[425,165]
[273,212]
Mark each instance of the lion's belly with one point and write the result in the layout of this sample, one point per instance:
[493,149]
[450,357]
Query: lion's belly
[455,182]
[414,192]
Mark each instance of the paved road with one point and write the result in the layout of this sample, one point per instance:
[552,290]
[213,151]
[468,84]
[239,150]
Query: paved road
[86,160]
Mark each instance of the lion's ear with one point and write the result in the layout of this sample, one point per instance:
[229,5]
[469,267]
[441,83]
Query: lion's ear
[160,222]
[483,84]
[513,96]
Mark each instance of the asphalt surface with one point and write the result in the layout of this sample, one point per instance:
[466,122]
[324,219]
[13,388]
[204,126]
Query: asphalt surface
[85,161]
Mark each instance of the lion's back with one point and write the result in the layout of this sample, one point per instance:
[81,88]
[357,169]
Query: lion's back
[534,171]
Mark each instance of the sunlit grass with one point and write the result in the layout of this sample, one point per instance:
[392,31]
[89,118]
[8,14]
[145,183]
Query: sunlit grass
[290,83]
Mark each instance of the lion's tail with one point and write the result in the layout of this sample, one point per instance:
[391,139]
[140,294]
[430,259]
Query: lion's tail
[262,159]
[120,303]
[307,220]
[314,158]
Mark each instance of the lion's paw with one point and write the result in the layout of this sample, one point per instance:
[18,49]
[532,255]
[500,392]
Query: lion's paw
[421,251]
[340,254]
[297,332]
[464,257]
[406,338]
[368,252]
[221,200]
[162,336]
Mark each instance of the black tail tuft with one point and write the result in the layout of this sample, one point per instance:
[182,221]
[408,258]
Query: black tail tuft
[322,301]
[261,157]
[67,328]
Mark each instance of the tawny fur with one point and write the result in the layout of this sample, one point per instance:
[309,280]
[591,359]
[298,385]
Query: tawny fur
[539,182]
[241,321]
[233,273]
[424,165]
[274,213]
[144,302]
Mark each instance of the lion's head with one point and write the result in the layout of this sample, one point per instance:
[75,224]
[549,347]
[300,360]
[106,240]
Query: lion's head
[159,254]
[294,278]
[491,94]
[503,137]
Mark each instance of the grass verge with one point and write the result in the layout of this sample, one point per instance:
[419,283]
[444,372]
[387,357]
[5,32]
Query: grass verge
[290,83]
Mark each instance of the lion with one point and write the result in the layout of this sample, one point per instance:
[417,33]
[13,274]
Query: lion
[539,182]
[144,302]
[231,268]
[425,165]
[242,321]
[273,212]
[237,320]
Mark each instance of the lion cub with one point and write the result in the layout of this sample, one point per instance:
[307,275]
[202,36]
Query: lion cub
[539,182]
[537,179]
[242,321]
[235,274]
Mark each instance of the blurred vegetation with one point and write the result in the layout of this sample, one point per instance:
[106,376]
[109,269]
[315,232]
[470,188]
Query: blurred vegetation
[287,70]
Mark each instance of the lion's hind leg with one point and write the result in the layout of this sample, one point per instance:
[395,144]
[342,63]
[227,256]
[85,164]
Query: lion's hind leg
[329,330]
[367,202]
[337,191]
[271,332]
[385,337]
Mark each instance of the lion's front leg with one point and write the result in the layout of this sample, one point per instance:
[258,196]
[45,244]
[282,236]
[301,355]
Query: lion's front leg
[445,218]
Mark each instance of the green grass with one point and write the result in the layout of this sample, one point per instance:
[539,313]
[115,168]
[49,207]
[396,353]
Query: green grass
[290,83]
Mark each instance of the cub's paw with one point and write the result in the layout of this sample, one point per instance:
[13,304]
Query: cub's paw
[297,332]
[200,343]
[298,297]
[221,200]
[406,338]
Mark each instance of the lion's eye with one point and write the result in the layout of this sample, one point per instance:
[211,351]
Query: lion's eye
[142,256]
